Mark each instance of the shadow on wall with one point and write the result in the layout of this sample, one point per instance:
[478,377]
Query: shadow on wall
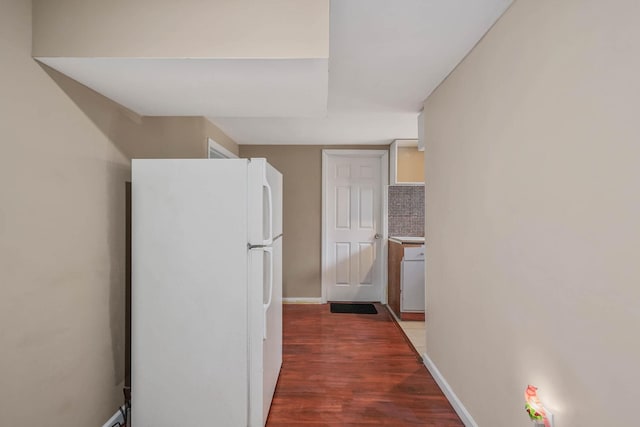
[109,118]
[136,136]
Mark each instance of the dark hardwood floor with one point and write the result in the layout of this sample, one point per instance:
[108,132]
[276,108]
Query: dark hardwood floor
[353,370]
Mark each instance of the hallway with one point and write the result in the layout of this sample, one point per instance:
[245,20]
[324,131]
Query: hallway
[353,369]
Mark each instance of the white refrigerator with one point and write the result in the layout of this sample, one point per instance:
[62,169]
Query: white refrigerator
[206,292]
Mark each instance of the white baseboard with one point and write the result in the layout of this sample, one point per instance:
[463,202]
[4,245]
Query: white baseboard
[302,300]
[462,412]
[115,418]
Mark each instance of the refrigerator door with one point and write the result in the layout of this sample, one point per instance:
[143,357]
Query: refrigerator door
[267,286]
[258,259]
[265,334]
[272,344]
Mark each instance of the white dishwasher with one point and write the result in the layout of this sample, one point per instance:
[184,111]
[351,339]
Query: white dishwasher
[412,284]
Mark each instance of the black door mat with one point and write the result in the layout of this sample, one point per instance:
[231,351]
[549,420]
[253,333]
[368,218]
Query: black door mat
[353,308]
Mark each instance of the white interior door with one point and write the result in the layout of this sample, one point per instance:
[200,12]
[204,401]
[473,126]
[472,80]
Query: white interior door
[353,224]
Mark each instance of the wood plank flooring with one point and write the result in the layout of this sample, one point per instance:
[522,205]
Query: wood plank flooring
[353,370]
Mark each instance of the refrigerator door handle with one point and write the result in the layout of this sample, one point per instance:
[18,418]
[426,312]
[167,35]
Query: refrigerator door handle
[266,305]
[266,185]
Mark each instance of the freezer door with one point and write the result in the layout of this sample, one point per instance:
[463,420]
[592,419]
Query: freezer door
[260,199]
[265,202]
[274,178]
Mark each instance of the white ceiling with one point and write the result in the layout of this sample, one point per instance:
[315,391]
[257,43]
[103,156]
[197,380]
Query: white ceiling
[386,57]
[338,128]
[205,87]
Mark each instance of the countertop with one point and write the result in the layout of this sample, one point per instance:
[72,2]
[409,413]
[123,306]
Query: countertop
[406,239]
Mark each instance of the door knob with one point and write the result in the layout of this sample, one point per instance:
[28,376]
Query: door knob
[377,236]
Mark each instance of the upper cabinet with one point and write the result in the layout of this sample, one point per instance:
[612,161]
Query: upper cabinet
[407,163]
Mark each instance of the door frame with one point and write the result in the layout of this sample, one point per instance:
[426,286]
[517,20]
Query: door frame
[217,148]
[383,155]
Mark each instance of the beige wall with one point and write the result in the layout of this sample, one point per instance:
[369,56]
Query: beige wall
[301,167]
[533,214]
[64,161]
[62,188]
[410,165]
[182,29]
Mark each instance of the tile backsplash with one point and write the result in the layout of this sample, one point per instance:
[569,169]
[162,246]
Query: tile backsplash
[406,210]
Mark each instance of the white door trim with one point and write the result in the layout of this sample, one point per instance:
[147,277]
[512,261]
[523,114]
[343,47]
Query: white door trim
[213,145]
[384,182]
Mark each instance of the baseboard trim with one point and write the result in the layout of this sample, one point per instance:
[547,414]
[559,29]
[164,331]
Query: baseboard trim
[302,300]
[115,418]
[462,412]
